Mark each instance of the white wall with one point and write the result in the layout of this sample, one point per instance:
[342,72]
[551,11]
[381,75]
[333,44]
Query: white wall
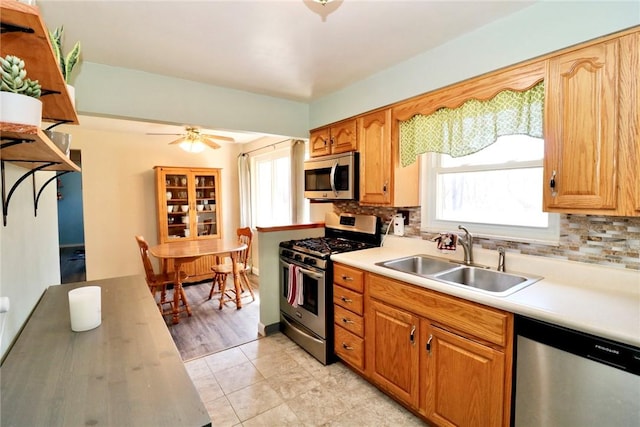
[118,185]
[542,28]
[28,249]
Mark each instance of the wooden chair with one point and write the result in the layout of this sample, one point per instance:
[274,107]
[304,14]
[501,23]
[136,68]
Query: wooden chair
[222,271]
[159,282]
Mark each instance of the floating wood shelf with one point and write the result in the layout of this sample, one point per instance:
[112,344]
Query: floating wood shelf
[24,34]
[32,149]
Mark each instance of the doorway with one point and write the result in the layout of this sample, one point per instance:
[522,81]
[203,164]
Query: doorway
[71,224]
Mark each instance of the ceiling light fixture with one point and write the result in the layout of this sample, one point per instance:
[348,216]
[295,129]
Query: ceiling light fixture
[322,2]
[192,144]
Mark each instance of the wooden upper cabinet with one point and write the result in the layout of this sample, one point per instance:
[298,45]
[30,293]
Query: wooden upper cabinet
[338,138]
[581,128]
[374,132]
[383,182]
[319,142]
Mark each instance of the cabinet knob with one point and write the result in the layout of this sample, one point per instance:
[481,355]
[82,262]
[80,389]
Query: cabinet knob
[347,278]
[347,347]
[345,320]
[345,299]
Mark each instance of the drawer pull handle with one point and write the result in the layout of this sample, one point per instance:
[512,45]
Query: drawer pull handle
[347,347]
[412,335]
[345,299]
[347,278]
[345,320]
[429,344]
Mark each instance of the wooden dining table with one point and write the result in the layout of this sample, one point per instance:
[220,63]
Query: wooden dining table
[184,251]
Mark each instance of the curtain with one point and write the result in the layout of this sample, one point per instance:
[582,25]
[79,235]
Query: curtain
[297,181]
[244,185]
[474,125]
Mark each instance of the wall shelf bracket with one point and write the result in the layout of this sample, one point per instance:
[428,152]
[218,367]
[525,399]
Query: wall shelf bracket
[6,197]
[36,197]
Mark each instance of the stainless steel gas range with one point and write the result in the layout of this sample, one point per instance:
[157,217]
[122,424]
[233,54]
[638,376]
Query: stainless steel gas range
[306,279]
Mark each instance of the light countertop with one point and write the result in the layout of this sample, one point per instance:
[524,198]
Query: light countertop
[599,300]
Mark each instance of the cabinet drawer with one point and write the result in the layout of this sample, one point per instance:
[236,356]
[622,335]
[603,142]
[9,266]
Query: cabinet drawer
[348,277]
[349,347]
[348,320]
[348,299]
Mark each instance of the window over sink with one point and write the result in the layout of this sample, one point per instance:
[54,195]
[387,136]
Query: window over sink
[497,191]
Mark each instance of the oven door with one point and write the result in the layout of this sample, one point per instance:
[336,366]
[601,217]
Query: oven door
[311,312]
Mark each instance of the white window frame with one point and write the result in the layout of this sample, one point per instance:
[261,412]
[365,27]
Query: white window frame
[430,167]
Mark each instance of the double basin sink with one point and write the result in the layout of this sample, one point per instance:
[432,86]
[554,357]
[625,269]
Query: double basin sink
[472,277]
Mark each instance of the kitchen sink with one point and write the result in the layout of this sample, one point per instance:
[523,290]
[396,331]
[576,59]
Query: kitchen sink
[421,265]
[486,280]
[451,272]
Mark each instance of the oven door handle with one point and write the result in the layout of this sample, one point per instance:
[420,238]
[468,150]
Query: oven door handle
[311,273]
[332,177]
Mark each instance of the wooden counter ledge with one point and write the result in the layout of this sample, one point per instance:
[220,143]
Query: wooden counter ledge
[125,372]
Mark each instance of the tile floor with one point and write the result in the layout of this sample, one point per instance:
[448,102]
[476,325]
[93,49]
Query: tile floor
[273,382]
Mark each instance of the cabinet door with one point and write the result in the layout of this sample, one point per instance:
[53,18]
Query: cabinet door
[581,128]
[374,132]
[392,350]
[319,143]
[173,204]
[462,382]
[343,137]
[205,211]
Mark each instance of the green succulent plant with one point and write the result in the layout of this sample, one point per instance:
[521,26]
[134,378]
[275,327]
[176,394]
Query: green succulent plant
[69,61]
[14,78]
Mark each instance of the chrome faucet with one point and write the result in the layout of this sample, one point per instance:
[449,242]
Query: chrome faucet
[467,245]
[501,255]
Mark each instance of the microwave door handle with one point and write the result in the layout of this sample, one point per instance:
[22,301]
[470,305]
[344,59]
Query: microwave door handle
[332,177]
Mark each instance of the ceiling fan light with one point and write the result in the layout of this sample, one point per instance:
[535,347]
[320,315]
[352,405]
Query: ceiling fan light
[323,2]
[192,145]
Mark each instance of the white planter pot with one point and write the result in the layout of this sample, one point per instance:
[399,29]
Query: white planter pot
[20,109]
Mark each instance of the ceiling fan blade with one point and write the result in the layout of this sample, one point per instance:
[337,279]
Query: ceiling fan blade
[178,134]
[210,143]
[177,141]
[218,137]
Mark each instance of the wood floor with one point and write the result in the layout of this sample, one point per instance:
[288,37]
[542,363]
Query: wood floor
[210,330]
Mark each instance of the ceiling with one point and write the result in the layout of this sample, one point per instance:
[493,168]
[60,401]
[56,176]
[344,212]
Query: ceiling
[292,49]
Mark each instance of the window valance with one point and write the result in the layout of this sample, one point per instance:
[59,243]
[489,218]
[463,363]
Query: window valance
[474,125]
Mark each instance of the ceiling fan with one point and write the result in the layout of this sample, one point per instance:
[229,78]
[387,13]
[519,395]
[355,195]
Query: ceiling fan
[194,142]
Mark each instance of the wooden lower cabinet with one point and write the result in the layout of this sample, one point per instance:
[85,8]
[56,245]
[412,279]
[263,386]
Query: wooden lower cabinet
[462,381]
[446,359]
[392,350]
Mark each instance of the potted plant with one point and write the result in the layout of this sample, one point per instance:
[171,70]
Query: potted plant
[65,62]
[19,95]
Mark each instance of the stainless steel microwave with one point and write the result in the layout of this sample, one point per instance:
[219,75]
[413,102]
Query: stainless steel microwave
[332,177]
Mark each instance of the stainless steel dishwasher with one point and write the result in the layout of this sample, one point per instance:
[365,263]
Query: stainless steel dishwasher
[568,378]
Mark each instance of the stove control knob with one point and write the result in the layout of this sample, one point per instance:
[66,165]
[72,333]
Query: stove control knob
[287,253]
[310,261]
[298,257]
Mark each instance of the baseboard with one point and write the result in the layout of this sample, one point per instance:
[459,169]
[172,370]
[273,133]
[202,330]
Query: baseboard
[267,330]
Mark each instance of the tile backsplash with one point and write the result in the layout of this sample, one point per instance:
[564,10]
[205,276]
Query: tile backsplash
[603,240]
